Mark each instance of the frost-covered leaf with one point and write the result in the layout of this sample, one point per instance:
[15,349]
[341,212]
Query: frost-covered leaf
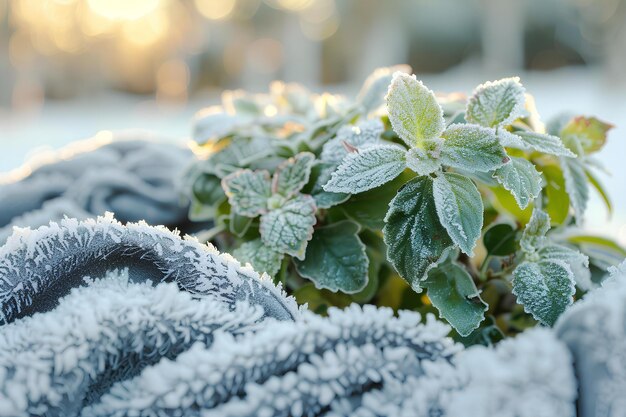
[460,209]
[335,259]
[472,147]
[551,145]
[366,169]
[239,224]
[500,240]
[213,123]
[578,263]
[453,292]
[422,162]
[207,189]
[589,132]
[240,152]
[415,238]
[291,175]
[576,186]
[413,110]
[248,191]
[320,175]
[287,229]
[365,133]
[509,139]
[556,200]
[496,103]
[534,235]
[369,208]
[520,177]
[544,288]
[260,256]
[372,94]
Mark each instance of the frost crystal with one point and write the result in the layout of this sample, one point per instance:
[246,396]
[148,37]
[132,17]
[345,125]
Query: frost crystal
[53,364]
[368,168]
[496,103]
[37,267]
[413,110]
[365,133]
[520,177]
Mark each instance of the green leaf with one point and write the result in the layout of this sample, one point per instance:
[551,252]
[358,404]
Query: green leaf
[544,288]
[500,240]
[335,259]
[248,191]
[453,292]
[520,177]
[504,202]
[473,148]
[368,168]
[551,145]
[239,224]
[576,186]
[460,209]
[415,238]
[261,257]
[589,132]
[369,208]
[320,175]
[240,152]
[595,182]
[199,212]
[365,133]
[556,201]
[496,103]
[287,229]
[534,235]
[422,162]
[413,110]
[372,94]
[598,241]
[207,189]
[578,263]
[293,174]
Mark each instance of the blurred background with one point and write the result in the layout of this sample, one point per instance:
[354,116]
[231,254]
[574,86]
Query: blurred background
[72,68]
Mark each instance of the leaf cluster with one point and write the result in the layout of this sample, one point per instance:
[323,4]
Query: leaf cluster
[375,200]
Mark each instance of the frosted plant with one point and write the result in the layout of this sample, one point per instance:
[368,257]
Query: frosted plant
[401,184]
[55,363]
[284,369]
[37,267]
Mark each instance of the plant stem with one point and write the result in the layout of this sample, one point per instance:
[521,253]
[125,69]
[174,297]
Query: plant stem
[484,267]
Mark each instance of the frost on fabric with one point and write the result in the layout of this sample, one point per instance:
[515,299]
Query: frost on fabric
[37,267]
[285,368]
[529,376]
[55,363]
[594,329]
[131,174]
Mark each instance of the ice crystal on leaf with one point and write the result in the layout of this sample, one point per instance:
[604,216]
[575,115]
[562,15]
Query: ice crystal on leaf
[292,174]
[521,178]
[413,110]
[248,191]
[288,228]
[260,256]
[496,103]
[335,259]
[473,148]
[414,235]
[364,133]
[460,209]
[367,168]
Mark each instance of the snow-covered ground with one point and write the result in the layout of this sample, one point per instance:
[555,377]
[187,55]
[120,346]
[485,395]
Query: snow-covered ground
[581,91]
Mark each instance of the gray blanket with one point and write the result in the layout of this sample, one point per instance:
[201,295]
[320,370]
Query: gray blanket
[134,176]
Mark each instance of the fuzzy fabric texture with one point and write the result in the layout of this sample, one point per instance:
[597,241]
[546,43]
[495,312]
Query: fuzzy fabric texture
[130,174]
[90,328]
